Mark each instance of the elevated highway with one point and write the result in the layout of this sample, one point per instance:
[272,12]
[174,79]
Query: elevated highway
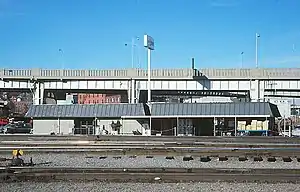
[258,83]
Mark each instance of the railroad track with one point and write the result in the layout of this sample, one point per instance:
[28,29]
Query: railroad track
[148,174]
[209,146]
[164,151]
[120,144]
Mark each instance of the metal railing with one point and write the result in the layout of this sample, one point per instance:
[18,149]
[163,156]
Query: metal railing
[263,73]
[95,73]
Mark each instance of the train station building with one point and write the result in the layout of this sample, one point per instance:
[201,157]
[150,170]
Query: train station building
[180,119]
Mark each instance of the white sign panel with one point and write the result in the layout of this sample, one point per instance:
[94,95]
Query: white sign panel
[148,42]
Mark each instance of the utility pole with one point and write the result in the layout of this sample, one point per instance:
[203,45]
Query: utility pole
[133,46]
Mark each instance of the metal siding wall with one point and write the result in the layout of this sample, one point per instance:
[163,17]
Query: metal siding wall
[231,109]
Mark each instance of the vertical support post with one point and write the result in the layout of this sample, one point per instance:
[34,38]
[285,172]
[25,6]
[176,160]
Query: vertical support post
[150,125]
[149,75]
[177,124]
[95,125]
[36,93]
[267,131]
[58,123]
[132,91]
[284,125]
[235,127]
[290,130]
[214,126]
[129,92]
[42,91]
[258,90]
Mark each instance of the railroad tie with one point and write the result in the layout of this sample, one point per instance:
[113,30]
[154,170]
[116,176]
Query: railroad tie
[205,159]
[102,157]
[149,157]
[258,158]
[132,156]
[243,158]
[287,159]
[298,159]
[117,157]
[187,158]
[222,158]
[271,159]
[170,158]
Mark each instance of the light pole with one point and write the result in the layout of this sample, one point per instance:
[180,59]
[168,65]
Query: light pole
[133,45]
[257,36]
[242,59]
[62,58]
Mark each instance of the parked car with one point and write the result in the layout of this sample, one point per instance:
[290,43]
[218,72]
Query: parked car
[18,128]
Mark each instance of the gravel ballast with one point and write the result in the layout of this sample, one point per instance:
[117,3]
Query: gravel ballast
[85,160]
[149,187]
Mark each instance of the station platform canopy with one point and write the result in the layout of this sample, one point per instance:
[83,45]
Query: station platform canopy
[202,110]
[158,110]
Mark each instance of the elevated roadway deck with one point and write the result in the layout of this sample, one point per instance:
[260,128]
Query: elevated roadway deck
[186,73]
[260,83]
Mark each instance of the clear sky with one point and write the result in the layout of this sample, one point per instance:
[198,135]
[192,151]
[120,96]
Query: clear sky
[93,33]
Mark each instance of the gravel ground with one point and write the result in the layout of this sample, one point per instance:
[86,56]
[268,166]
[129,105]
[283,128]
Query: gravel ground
[149,187]
[82,160]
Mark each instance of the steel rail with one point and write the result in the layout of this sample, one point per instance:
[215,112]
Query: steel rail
[136,144]
[189,139]
[149,174]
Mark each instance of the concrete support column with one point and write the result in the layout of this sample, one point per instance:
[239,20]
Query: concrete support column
[42,93]
[255,90]
[36,93]
[137,91]
[129,91]
[262,85]
[132,91]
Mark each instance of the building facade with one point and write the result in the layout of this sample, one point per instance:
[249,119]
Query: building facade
[199,119]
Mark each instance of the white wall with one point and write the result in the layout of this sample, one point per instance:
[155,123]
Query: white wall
[47,126]
[128,126]
[284,106]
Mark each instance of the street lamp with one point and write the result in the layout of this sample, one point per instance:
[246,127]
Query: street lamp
[133,45]
[242,59]
[257,36]
[62,58]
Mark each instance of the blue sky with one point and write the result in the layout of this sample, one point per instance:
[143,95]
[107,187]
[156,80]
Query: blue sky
[93,33]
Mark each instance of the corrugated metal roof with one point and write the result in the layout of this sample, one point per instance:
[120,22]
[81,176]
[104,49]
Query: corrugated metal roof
[81,110]
[214,109]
